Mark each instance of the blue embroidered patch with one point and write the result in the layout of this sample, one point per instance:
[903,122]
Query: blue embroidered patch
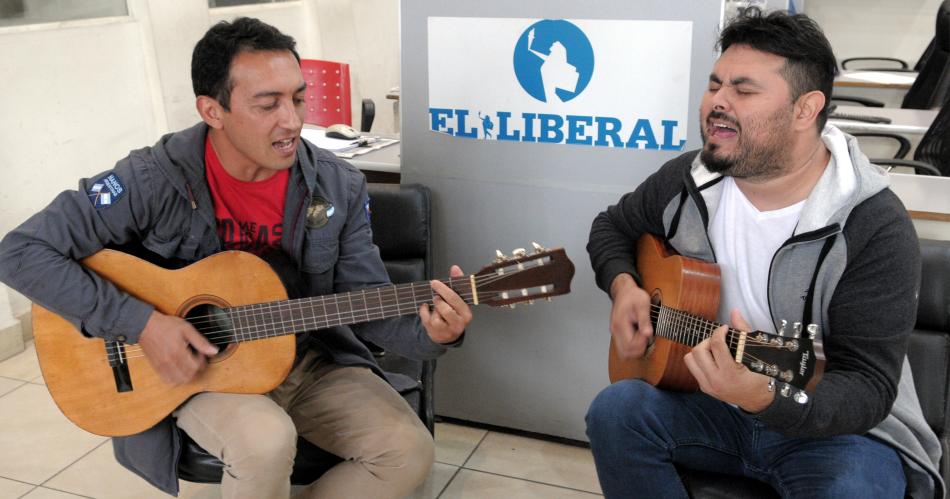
[106,191]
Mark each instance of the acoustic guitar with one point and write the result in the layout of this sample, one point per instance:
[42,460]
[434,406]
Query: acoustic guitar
[237,301]
[685,299]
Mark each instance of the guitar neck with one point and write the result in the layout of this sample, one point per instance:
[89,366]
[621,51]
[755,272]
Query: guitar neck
[687,329]
[277,318]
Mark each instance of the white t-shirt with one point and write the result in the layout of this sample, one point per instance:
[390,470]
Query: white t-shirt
[745,239]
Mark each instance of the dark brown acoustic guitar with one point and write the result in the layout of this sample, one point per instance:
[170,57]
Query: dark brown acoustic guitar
[237,301]
[685,299]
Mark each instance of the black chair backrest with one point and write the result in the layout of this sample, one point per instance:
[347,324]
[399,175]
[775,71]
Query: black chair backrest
[929,348]
[934,147]
[400,217]
[932,85]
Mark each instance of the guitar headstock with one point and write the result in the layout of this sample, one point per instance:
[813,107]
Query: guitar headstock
[524,277]
[791,358]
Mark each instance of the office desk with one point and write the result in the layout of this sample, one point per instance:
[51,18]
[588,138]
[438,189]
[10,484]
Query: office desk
[875,79]
[381,165]
[903,121]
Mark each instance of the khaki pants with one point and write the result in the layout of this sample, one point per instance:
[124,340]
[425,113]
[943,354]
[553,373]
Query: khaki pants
[348,411]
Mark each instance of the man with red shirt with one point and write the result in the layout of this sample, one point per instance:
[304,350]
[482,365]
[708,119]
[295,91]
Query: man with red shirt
[243,179]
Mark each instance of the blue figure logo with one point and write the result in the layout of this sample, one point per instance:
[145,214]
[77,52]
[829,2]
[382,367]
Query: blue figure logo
[553,60]
[487,125]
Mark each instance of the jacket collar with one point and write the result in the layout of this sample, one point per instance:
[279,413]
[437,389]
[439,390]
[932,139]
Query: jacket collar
[850,179]
[180,157]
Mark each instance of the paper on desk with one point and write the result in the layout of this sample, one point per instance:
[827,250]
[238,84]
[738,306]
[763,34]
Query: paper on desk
[882,77]
[356,151]
[319,139]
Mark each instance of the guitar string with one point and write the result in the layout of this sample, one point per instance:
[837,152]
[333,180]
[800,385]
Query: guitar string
[403,291]
[225,336]
[677,316]
[394,298]
[479,281]
[411,291]
[680,318]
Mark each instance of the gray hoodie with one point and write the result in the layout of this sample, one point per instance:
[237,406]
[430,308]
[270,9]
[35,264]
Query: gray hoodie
[852,266]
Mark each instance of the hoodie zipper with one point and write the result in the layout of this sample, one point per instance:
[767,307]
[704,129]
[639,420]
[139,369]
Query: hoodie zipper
[815,235]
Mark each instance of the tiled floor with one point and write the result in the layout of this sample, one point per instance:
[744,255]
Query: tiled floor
[44,456]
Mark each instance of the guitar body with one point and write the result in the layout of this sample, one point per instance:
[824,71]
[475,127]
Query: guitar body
[79,376]
[683,283]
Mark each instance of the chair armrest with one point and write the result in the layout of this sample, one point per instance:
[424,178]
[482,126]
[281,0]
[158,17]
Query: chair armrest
[367,114]
[903,142]
[904,67]
[918,166]
[858,100]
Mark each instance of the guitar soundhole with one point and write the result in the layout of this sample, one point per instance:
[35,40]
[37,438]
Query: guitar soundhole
[215,325]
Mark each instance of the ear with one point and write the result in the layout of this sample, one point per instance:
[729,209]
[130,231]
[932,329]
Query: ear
[210,110]
[807,108]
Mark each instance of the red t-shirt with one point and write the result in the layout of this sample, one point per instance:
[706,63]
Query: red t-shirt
[249,214]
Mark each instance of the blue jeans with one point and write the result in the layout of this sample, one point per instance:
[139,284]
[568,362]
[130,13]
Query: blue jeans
[639,434]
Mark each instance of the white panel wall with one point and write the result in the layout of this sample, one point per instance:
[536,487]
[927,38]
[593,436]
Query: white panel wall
[67,113]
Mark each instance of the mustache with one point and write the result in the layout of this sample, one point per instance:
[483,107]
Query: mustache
[719,115]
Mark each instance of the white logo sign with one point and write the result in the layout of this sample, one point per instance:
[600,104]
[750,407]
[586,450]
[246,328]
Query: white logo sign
[603,83]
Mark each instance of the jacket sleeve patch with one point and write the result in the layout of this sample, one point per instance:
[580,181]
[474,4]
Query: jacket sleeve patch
[106,191]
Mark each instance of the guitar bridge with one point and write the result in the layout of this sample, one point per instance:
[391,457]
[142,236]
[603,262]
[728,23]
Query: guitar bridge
[115,351]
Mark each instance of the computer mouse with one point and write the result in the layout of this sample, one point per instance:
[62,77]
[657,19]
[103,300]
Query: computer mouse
[340,131]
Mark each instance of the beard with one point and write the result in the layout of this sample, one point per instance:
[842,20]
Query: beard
[766,158]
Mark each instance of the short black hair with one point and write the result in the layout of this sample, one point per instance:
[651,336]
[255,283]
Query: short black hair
[810,63]
[214,53]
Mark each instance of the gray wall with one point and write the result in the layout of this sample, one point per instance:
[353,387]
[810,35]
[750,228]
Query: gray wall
[537,367]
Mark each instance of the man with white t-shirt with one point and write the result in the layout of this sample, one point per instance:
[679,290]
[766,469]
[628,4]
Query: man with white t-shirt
[803,229]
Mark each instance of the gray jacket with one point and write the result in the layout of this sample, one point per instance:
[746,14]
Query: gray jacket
[158,200]
[852,266]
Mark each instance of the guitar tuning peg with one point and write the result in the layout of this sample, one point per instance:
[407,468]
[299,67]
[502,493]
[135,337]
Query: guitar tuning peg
[786,390]
[519,252]
[511,305]
[812,331]
[499,256]
[537,247]
[530,302]
[801,397]
[781,329]
[771,385]
[797,329]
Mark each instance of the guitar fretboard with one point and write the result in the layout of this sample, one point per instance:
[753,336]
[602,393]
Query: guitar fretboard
[278,318]
[682,327]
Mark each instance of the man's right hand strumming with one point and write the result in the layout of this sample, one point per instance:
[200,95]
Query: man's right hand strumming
[630,323]
[174,348]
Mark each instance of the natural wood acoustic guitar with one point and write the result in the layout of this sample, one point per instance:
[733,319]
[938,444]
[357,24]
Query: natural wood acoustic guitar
[237,301]
[685,299]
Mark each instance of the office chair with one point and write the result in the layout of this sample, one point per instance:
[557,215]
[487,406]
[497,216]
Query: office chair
[929,354]
[328,95]
[932,156]
[903,68]
[401,223]
[932,85]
